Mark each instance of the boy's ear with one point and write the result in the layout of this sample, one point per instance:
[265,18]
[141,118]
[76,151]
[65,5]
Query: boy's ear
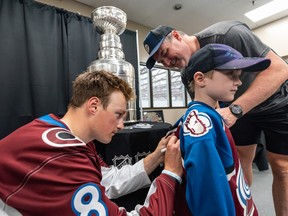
[199,79]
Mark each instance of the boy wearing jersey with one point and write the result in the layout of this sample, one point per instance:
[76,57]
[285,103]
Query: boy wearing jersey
[50,166]
[215,181]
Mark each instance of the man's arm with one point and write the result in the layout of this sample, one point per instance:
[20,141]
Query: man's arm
[119,182]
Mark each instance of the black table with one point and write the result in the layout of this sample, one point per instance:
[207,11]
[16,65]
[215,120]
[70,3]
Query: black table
[129,146]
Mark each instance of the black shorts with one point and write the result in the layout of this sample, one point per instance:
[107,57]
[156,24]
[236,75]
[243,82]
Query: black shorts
[247,130]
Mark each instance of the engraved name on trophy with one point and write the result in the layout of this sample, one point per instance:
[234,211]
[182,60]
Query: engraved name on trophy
[110,22]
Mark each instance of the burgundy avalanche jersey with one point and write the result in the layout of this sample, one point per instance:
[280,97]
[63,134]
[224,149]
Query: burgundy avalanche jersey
[45,170]
[215,181]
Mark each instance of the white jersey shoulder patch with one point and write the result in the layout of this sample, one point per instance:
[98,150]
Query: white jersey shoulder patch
[61,137]
[197,124]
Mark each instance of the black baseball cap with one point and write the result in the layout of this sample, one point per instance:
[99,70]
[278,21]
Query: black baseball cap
[153,41]
[222,57]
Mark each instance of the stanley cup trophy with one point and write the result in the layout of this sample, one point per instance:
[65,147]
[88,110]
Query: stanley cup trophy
[110,22]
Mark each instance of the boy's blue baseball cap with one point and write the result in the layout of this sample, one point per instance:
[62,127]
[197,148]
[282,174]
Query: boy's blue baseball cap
[222,57]
[153,41]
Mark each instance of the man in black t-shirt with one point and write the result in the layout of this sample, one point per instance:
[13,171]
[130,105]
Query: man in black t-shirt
[263,96]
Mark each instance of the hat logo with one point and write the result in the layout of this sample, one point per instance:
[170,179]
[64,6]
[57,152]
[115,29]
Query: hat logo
[147,48]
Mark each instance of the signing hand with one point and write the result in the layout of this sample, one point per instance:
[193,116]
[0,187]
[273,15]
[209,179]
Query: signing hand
[173,160]
[153,160]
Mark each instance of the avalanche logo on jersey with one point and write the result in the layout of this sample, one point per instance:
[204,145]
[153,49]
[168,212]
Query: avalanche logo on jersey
[60,137]
[197,124]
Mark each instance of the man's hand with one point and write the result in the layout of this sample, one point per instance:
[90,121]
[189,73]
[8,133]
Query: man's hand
[161,145]
[173,160]
[228,117]
[153,160]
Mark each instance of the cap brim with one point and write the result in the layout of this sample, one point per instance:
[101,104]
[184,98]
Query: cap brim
[246,64]
[150,61]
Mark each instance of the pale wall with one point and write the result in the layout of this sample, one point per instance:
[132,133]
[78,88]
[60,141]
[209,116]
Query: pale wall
[274,34]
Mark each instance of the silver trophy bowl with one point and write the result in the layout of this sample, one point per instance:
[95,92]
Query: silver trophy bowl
[110,22]
[109,19]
